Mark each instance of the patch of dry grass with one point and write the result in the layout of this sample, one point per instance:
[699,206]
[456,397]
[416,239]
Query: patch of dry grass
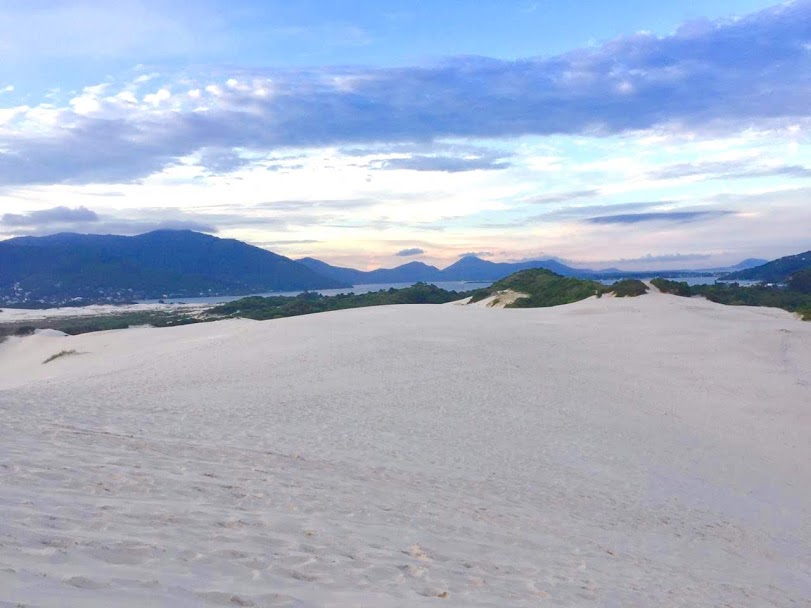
[63,353]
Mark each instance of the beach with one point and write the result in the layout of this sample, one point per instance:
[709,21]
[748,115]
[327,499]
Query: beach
[648,451]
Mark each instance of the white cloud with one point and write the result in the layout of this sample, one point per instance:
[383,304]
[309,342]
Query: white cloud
[89,102]
[158,97]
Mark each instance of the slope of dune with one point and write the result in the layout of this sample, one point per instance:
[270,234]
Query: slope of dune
[612,452]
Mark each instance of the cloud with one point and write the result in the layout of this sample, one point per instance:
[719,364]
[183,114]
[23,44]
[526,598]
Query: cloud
[288,242]
[410,252]
[284,167]
[786,170]
[447,164]
[123,227]
[477,254]
[563,197]
[139,227]
[221,160]
[667,257]
[55,215]
[84,220]
[333,204]
[693,79]
[734,169]
[663,216]
[588,211]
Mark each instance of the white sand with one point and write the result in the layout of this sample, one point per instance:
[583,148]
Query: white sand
[500,299]
[616,452]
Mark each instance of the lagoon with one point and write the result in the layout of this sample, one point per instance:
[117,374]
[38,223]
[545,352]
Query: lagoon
[357,289]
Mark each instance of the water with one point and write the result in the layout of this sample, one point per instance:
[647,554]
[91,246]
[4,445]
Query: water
[708,280]
[447,285]
[689,280]
[357,289]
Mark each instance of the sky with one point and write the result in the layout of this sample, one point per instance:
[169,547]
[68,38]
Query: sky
[633,134]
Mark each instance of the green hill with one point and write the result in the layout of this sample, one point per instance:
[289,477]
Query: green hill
[543,288]
[776,271]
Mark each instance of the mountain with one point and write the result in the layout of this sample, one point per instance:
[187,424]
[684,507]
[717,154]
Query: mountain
[742,265]
[746,264]
[407,273]
[349,276]
[469,268]
[164,263]
[776,271]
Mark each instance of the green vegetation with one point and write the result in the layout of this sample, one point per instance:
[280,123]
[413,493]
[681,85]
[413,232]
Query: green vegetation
[733,294]
[277,307]
[629,288]
[677,288]
[63,353]
[82,325]
[543,288]
[800,281]
[15,329]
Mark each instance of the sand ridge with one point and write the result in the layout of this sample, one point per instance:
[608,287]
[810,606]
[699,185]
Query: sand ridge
[500,299]
[645,451]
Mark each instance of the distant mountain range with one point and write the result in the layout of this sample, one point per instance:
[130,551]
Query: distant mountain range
[469,268]
[472,268]
[776,271]
[73,268]
[69,267]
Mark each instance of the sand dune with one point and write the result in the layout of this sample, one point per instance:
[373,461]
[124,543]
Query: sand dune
[615,452]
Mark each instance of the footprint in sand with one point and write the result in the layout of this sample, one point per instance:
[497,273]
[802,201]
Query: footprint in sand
[434,592]
[413,571]
[418,552]
[82,582]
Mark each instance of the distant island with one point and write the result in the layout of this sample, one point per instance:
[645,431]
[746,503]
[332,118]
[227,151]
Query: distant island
[71,269]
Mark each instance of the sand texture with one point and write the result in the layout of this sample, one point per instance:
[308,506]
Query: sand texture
[649,452]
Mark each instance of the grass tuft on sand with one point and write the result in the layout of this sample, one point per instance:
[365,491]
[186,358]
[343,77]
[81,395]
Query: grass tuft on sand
[63,353]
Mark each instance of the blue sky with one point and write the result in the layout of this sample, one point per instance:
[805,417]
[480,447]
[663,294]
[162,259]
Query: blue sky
[626,133]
